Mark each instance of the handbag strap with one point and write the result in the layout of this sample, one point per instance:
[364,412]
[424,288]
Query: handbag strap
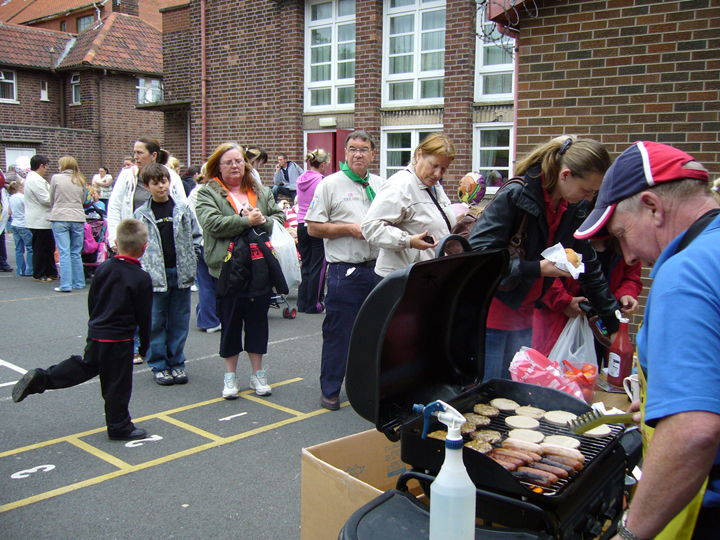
[447,221]
[517,238]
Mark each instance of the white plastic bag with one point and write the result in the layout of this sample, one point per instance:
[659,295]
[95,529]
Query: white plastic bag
[576,344]
[286,252]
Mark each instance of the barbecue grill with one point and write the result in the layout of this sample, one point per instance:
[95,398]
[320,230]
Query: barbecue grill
[419,337]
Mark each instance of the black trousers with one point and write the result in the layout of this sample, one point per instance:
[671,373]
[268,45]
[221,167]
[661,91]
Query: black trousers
[43,244]
[311,292]
[113,363]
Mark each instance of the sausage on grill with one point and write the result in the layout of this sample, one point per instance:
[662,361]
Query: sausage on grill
[575,464]
[527,457]
[557,471]
[553,450]
[552,463]
[552,478]
[517,444]
[533,477]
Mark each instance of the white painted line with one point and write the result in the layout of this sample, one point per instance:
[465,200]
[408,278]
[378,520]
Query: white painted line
[20,370]
[233,416]
[12,383]
[140,442]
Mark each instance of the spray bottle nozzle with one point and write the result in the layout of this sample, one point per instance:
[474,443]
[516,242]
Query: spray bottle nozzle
[446,414]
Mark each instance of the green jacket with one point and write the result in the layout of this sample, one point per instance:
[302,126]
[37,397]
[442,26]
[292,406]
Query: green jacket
[221,223]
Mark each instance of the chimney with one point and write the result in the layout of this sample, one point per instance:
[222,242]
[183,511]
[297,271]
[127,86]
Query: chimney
[129,7]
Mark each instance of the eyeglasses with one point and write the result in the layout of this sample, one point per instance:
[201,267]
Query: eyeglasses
[362,151]
[238,162]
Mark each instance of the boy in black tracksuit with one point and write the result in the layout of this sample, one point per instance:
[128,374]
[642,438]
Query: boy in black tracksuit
[119,301]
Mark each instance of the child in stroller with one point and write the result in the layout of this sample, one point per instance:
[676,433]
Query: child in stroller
[95,248]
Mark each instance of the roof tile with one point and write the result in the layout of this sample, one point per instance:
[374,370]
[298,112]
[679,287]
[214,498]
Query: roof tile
[31,47]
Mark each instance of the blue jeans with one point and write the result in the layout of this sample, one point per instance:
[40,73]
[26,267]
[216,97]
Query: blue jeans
[206,310]
[69,236]
[170,325]
[23,244]
[500,347]
[348,286]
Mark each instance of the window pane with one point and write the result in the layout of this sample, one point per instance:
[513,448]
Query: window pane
[320,54]
[346,95]
[346,51]
[76,93]
[399,140]
[401,64]
[321,11]
[402,25]
[494,158]
[346,70]
[432,89]
[7,91]
[400,3]
[346,7]
[397,159]
[320,97]
[494,137]
[7,76]
[321,36]
[432,61]
[494,56]
[497,84]
[320,73]
[402,90]
[346,32]
[402,44]
[432,20]
[494,177]
[433,41]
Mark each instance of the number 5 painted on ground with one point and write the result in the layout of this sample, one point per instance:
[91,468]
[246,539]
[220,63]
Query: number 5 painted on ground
[24,474]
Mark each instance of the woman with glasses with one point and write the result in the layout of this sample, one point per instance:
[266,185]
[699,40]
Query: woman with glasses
[229,203]
[411,213]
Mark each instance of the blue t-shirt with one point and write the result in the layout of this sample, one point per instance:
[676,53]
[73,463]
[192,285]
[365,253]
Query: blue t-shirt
[679,342]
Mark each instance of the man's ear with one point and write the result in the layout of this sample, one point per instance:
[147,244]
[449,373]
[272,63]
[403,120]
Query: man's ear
[653,204]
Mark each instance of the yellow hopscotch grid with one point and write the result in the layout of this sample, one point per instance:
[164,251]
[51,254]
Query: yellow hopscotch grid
[125,468]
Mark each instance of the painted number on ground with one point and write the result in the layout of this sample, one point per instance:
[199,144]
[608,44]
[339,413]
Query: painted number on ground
[140,442]
[27,472]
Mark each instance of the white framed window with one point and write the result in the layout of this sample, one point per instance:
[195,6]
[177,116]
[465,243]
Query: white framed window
[149,91]
[329,55]
[398,144]
[63,26]
[75,88]
[44,91]
[493,153]
[8,86]
[84,22]
[495,67]
[414,52]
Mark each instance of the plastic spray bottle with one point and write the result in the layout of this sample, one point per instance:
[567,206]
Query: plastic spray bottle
[452,494]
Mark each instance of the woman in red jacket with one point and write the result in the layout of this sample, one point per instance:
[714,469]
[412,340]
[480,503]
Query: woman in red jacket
[561,301]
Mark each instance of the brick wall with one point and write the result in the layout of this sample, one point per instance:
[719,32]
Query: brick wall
[459,88]
[53,143]
[255,68]
[621,72]
[368,69]
[30,110]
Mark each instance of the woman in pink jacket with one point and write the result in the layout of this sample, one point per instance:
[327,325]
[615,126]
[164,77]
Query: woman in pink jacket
[312,253]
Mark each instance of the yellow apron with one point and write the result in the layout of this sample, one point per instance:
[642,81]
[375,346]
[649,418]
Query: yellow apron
[683,524]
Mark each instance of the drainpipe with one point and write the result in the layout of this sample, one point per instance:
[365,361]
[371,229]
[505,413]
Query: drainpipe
[203,84]
[100,123]
[516,60]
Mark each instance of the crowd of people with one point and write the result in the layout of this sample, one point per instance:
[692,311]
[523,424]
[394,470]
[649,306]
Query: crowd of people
[654,206]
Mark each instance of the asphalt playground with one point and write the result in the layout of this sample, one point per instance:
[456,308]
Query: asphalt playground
[210,468]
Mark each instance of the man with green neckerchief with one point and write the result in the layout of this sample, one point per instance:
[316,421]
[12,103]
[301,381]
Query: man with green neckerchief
[339,206]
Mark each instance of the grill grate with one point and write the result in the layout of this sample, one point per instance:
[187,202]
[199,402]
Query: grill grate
[590,447]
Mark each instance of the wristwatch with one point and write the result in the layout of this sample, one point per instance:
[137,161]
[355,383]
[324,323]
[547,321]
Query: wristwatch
[623,531]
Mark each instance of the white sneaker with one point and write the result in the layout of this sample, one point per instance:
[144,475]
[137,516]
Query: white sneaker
[214,329]
[194,288]
[258,382]
[230,389]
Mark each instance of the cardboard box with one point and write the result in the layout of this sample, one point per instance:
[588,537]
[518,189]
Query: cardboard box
[340,476]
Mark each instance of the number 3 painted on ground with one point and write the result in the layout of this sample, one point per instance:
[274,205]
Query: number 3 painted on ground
[28,472]
[139,442]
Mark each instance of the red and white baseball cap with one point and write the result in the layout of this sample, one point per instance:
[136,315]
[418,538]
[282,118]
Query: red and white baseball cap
[641,166]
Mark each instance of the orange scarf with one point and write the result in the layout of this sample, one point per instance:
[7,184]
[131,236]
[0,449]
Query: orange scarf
[252,197]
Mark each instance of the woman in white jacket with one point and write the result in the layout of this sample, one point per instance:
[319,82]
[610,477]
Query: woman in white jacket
[411,213]
[129,194]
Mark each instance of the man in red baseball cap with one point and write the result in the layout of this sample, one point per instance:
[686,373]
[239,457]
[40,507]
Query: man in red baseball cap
[657,201]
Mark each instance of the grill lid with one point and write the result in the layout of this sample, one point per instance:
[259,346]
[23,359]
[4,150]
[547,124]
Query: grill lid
[420,336]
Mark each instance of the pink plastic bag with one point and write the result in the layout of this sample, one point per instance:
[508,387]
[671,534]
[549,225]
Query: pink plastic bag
[530,366]
[90,245]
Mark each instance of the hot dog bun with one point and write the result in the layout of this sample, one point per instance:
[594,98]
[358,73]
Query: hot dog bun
[572,257]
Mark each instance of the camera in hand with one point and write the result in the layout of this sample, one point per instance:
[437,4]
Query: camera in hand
[429,239]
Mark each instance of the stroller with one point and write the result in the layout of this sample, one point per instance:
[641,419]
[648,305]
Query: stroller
[95,250]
